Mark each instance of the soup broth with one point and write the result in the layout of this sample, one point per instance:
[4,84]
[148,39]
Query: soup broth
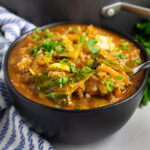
[74,67]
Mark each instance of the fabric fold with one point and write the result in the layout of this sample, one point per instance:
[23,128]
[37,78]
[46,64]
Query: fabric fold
[14,133]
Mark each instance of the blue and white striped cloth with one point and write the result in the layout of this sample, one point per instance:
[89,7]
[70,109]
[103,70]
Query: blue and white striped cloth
[14,133]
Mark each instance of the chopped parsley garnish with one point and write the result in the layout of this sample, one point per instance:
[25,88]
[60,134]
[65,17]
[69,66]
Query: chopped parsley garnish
[77,107]
[82,39]
[46,46]
[71,80]
[49,45]
[137,61]
[34,50]
[64,60]
[53,95]
[83,73]
[48,34]
[61,81]
[59,43]
[72,68]
[85,32]
[47,31]
[106,60]
[91,44]
[109,84]
[91,65]
[118,49]
[49,54]
[62,49]
[79,74]
[73,30]
[57,106]
[124,45]
[119,77]
[37,30]
[36,37]
[121,56]
[58,68]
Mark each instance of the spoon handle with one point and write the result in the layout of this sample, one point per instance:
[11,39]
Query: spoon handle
[113,9]
[141,67]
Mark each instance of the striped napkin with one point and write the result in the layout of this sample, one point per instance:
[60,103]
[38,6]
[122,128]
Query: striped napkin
[14,133]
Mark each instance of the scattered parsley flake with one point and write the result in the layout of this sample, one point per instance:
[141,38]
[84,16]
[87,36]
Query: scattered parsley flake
[137,61]
[61,81]
[36,37]
[57,106]
[72,68]
[73,30]
[119,77]
[62,49]
[47,31]
[64,60]
[121,56]
[34,50]
[124,45]
[106,60]
[49,45]
[84,72]
[48,34]
[71,80]
[82,39]
[37,30]
[49,54]
[77,107]
[85,32]
[53,95]
[58,68]
[109,84]
[91,65]
[91,44]
[118,49]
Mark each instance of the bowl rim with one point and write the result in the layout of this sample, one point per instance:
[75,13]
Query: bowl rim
[126,36]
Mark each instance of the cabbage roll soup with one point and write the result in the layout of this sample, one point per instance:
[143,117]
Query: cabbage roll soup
[74,66]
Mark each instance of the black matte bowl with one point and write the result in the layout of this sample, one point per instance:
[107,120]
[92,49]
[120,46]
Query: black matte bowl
[75,126]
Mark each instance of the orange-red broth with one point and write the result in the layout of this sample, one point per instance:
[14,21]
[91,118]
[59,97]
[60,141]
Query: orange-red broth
[27,89]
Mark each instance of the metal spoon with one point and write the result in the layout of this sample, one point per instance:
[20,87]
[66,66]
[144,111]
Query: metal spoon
[140,67]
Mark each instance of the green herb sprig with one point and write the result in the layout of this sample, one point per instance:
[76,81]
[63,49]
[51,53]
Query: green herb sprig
[143,36]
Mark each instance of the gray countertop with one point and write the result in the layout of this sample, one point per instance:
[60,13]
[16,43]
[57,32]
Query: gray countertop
[135,135]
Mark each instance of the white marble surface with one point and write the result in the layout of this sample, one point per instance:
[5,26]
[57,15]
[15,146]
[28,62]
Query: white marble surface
[135,135]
